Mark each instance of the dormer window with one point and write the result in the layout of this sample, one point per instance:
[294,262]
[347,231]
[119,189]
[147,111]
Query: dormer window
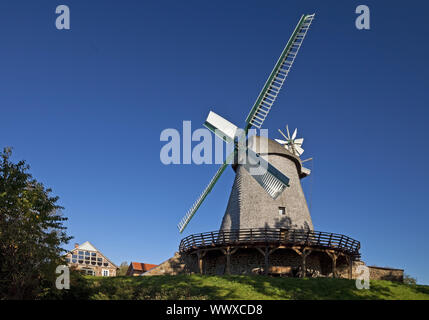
[282,211]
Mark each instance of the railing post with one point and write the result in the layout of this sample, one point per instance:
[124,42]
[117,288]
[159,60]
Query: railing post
[341,240]
[346,245]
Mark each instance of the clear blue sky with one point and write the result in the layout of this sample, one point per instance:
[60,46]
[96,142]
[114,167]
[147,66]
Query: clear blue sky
[86,107]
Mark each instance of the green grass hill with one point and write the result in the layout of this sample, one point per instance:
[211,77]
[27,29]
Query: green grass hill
[237,287]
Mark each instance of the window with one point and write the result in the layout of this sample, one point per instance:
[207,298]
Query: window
[81,253]
[67,260]
[93,254]
[86,253]
[88,271]
[106,264]
[282,211]
[80,257]
[74,256]
[105,273]
[99,259]
[74,260]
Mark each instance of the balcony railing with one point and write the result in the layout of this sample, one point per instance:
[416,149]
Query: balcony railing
[271,236]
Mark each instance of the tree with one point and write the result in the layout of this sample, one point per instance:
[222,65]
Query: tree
[31,232]
[123,269]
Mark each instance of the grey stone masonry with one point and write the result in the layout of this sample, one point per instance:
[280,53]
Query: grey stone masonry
[250,206]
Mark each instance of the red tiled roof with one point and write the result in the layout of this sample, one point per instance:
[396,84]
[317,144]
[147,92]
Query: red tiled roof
[138,266]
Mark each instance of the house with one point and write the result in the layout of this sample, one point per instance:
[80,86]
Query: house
[138,268]
[90,261]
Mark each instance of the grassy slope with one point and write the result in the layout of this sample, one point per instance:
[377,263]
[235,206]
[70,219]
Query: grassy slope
[245,287]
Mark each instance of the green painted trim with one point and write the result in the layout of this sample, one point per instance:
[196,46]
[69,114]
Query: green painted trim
[215,131]
[271,77]
[211,185]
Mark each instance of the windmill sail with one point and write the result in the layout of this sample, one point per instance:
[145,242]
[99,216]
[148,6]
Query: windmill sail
[268,176]
[275,81]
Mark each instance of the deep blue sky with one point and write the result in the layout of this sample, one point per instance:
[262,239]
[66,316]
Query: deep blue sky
[86,107]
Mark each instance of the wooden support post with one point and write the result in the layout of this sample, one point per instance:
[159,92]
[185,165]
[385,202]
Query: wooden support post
[228,252]
[350,266]
[200,255]
[267,263]
[305,253]
[333,257]
[228,260]
[266,254]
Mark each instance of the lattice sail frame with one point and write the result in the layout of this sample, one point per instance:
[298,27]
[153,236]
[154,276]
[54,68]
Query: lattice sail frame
[275,81]
[188,216]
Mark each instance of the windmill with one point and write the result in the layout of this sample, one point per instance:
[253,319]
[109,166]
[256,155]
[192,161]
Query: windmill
[292,144]
[272,180]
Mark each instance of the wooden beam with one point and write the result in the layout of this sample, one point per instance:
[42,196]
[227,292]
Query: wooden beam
[267,263]
[261,251]
[200,255]
[333,255]
[350,266]
[304,254]
[297,250]
[266,254]
[228,260]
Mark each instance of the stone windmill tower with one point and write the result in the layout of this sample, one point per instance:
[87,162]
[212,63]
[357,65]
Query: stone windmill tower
[250,207]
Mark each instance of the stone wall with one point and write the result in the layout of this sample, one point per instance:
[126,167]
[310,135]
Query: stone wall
[179,264]
[375,273]
[391,274]
[343,270]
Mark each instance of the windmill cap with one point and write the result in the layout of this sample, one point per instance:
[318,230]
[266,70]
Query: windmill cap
[265,146]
